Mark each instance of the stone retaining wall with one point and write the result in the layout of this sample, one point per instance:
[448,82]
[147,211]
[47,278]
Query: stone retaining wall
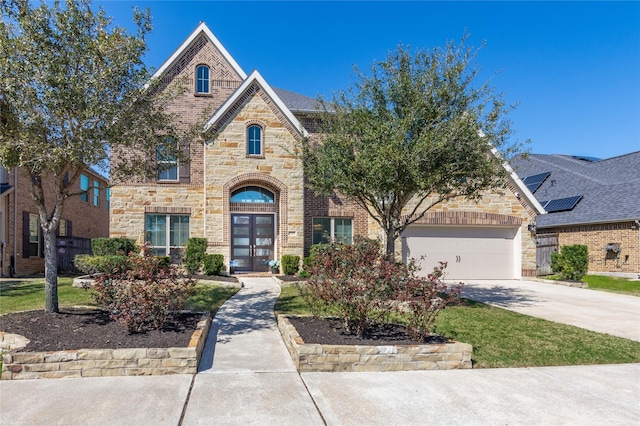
[319,358]
[102,362]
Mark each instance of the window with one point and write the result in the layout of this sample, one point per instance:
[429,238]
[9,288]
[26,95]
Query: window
[107,193]
[96,193]
[328,229]
[167,162]
[84,187]
[252,194]
[34,235]
[202,79]
[62,228]
[254,140]
[164,232]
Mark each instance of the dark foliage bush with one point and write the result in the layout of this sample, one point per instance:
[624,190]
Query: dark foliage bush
[290,264]
[365,287]
[213,264]
[113,246]
[572,263]
[196,249]
[142,296]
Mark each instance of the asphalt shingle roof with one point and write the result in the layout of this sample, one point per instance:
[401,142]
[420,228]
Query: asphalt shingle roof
[297,102]
[610,187]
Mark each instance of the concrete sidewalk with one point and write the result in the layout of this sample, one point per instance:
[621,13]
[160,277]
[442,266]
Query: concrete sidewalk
[247,377]
[604,312]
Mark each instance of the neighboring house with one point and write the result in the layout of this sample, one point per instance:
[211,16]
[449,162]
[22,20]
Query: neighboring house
[244,189]
[85,216]
[589,201]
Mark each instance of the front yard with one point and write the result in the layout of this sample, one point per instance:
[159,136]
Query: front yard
[502,338]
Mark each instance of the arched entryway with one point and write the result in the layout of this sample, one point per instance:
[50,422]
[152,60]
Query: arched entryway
[253,233]
[255,224]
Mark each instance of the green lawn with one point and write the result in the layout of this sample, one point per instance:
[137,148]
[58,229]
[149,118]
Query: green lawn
[502,338]
[613,284]
[28,295]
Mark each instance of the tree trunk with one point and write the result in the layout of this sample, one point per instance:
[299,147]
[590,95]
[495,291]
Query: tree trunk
[50,272]
[391,242]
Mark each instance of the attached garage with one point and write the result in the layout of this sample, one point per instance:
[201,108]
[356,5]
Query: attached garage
[471,252]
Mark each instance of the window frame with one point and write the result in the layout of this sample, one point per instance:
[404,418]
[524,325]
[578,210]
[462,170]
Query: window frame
[332,229]
[205,80]
[34,220]
[62,228]
[169,160]
[96,193]
[169,233]
[250,141]
[84,188]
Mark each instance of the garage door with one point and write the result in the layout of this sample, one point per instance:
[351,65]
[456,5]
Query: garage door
[470,252]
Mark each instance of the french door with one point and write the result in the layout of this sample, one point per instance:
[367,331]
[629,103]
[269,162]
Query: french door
[252,237]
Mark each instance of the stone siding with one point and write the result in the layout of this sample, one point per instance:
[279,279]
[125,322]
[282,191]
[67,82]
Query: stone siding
[329,358]
[102,362]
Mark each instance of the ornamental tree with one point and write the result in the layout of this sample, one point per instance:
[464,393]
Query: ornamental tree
[414,132]
[73,88]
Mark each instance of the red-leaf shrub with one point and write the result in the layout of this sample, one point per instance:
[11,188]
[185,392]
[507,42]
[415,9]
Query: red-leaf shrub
[424,298]
[365,287]
[143,296]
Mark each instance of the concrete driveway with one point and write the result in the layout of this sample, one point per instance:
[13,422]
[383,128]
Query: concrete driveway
[610,313]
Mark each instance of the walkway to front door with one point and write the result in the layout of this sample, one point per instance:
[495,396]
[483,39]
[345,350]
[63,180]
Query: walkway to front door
[252,238]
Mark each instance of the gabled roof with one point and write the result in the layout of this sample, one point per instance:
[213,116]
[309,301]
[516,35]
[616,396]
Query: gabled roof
[200,29]
[255,77]
[609,188]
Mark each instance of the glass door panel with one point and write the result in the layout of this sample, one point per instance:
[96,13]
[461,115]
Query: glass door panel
[252,241]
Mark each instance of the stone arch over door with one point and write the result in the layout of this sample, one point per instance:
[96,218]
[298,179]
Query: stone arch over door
[280,206]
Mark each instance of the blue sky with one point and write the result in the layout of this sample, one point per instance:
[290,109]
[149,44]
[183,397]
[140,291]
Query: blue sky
[573,67]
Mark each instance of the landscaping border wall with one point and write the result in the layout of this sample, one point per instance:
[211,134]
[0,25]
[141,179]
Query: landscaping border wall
[326,358]
[101,362]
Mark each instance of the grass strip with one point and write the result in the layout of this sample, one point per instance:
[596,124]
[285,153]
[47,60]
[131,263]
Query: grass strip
[28,295]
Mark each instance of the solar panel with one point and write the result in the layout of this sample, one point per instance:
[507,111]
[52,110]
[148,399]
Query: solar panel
[534,182]
[561,204]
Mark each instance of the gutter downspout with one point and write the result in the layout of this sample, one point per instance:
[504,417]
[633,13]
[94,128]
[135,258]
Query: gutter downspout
[638,229]
[15,220]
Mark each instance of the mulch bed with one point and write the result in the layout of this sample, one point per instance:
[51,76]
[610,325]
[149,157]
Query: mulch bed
[93,329]
[331,331]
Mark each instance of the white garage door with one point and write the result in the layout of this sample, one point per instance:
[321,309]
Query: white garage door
[470,252]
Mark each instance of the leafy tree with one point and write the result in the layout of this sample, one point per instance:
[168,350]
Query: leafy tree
[73,88]
[413,133]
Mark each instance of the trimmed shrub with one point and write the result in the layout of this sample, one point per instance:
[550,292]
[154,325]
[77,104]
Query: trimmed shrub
[113,246]
[196,249]
[572,263]
[142,296]
[91,265]
[213,264]
[290,264]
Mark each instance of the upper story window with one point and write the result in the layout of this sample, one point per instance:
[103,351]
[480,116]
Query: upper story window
[108,197]
[96,193]
[167,163]
[254,140]
[202,79]
[84,188]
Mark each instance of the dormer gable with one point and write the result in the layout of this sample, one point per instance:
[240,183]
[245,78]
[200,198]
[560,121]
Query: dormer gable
[254,84]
